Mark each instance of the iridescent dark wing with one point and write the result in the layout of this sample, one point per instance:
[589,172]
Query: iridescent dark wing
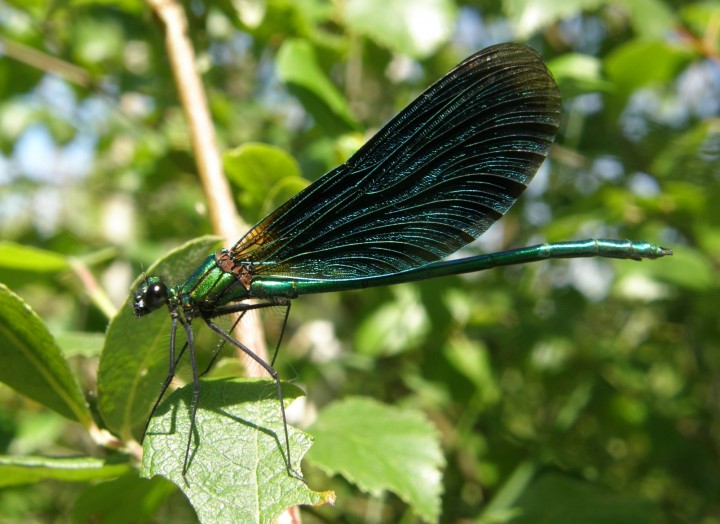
[429,182]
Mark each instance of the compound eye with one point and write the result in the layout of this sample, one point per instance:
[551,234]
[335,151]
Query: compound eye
[156,295]
[151,294]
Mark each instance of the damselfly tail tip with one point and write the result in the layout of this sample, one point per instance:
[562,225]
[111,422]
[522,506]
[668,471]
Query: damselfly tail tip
[647,251]
[656,252]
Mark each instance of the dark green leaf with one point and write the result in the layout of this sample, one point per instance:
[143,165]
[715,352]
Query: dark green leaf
[695,154]
[33,364]
[238,466]
[579,501]
[472,359]
[108,502]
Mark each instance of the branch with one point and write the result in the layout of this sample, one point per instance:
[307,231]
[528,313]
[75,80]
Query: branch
[223,215]
[44,62]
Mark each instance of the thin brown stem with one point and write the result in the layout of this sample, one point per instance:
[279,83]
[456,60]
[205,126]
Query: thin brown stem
[94,291]
[223,215]
[44,62]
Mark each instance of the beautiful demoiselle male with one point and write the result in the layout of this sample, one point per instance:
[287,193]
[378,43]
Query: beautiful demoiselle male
[428,183]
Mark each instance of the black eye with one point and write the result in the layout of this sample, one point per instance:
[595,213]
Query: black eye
[151,294]
[156,295]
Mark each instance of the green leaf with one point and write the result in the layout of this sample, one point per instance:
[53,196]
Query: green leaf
[266,176]
[529,16]
[134,361]
[581,502]
[640,63]
[697,16]
[650,18]
[395,326]
[689,269]
[15,471]
[694,153]
[22,264]
[297,65]
[74,343]
[108,502]
[415,28]
[577,74]
[33,364]
[237,470]
[379,448]
[128,6]
[31,259]
[97,42]
[472,359]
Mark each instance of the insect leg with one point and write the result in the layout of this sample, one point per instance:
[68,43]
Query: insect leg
[172,364]
[196,392]
[217,329]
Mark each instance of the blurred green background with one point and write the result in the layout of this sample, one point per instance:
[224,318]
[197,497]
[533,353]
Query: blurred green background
[567,388]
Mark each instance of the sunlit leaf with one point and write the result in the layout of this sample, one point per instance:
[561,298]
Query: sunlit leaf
[80,343]
[578,74]
[529,16]
[266,176]
[412,27]
[238,470]
[650,18]
[30,259]
[18,470]
[640,63]
[380,448]
[33,364]
[297,65]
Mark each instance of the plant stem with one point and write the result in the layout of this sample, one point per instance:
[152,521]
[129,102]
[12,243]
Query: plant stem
[221,208]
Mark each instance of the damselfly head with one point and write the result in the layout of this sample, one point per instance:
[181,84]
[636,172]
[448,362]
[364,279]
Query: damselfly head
[151,294]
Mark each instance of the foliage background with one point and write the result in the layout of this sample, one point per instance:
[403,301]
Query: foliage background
[565,386]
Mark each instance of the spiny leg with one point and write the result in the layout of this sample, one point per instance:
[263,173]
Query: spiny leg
[217,329]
